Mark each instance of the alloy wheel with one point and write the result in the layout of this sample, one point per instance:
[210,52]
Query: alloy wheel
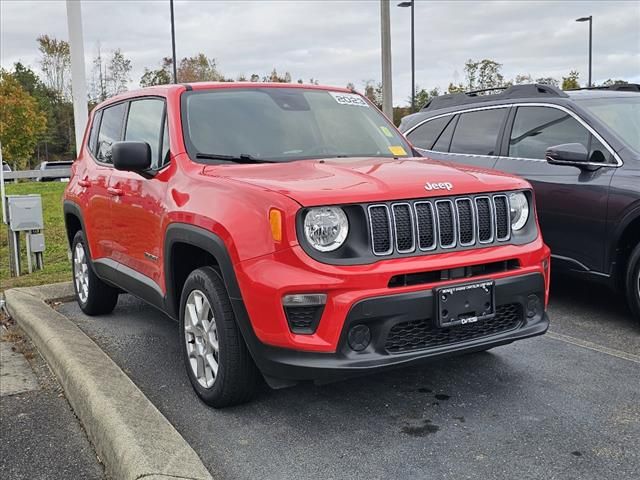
[81,272]
[201,337]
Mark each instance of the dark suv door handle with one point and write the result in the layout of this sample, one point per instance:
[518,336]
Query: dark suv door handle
[84,183]
[115,191]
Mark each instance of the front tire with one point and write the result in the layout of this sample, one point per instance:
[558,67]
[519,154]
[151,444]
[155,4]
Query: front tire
[216,357]
[93,295]
[632,282]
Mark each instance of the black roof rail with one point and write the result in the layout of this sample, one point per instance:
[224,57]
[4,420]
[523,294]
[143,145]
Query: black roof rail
[515,91]
[618,87]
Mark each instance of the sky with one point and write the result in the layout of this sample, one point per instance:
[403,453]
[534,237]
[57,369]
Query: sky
[338,41]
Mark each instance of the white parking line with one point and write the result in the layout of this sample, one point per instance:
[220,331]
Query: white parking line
[593,346]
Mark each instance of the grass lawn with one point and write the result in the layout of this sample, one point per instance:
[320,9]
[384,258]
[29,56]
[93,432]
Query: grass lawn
[57,267]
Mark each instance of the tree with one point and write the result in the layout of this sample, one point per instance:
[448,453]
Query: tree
[483,74]
[610,82]
[527,78]
[373,91]
[198,68]
[570,82]
[21,121]
[55,62]
[119,69]
[160,76]
[423,96]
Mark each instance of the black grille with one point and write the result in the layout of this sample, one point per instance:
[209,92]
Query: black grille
[485,230]
[465,221]
[381,230]
[426,233]
[420,334]
[445,222]
[403,227]
[502,217]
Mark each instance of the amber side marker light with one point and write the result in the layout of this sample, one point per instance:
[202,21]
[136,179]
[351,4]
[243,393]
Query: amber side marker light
[275,219]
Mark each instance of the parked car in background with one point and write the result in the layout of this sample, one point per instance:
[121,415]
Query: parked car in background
[6,167]
[292,234]
[54,166]
[579,149]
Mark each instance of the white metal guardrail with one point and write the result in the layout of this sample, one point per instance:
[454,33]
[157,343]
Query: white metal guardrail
[33,174]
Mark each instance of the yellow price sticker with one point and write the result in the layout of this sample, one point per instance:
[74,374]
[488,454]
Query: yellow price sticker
[397,150]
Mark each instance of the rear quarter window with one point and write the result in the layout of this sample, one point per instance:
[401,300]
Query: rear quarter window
[426,134]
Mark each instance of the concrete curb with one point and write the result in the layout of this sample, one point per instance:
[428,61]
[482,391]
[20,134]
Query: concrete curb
[130,435]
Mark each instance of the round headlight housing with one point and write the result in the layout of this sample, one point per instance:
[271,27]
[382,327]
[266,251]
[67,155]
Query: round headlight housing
[326,228]
[519,210]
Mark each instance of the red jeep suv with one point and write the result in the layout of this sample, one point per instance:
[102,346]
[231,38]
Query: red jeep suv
[292,233]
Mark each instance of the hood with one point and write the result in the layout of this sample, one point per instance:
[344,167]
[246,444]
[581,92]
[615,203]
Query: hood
[364,180]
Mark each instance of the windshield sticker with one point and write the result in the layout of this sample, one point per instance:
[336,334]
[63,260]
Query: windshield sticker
[386,131]
[397,150]
[349,99]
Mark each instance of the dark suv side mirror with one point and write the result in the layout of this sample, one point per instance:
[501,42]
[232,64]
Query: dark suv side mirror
[567,154]
[131,156]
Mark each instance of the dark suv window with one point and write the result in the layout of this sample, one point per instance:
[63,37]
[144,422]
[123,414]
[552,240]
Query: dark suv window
[110,130]
[425,135]
[144,124]
[537,128]
[477,132]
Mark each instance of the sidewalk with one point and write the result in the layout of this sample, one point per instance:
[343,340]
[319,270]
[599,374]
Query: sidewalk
[40,437]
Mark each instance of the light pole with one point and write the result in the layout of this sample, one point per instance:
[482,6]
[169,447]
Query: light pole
[410,3]
[590,20]
[173,44]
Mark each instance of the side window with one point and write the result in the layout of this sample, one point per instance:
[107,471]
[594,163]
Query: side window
[144,124]
[477,132]
[93,136]
[537,128]
[444,140]
[110,131]
[425,135]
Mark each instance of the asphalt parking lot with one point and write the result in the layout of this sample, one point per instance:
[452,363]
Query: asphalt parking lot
[565,405]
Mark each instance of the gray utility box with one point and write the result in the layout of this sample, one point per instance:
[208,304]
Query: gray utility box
[25,212]
[36,242]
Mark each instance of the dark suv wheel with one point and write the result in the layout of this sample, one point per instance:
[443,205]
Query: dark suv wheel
[632,282]
[93,295]
[218,362]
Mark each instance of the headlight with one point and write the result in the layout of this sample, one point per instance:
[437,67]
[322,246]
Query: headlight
[326,228]
[519,207]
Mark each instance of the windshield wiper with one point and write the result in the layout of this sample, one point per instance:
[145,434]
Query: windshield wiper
[242,158]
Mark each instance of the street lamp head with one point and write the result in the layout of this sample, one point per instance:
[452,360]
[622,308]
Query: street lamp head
[406,4]
[583,19]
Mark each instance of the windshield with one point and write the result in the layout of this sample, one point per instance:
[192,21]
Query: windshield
[620,114]
[283,124]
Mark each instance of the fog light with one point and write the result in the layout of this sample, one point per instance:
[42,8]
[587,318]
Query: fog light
[534,306]
[359,337]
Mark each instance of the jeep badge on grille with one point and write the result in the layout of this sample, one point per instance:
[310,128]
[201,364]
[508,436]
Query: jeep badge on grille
[438,186]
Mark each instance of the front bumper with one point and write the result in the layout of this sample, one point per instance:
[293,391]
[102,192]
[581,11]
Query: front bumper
[381,314]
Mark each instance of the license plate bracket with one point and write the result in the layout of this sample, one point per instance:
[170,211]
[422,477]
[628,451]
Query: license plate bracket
[465,304]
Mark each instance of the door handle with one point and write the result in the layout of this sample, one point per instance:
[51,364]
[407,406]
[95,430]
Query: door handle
[84,182]
[115,191]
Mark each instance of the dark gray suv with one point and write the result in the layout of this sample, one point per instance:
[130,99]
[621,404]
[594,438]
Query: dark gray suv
[579,149]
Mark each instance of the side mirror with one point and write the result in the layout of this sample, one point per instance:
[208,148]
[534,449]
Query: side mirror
[567,154]
[131,156]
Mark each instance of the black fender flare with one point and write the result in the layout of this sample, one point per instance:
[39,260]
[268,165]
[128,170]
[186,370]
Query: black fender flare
[207,241]
[72,208]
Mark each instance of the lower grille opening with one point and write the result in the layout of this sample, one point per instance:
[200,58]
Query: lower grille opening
[408,279]
[421,334]
[303,319]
